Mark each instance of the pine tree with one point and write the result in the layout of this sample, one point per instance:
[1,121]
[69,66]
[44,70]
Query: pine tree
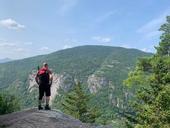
[152,77]
[8,103]
[75,103]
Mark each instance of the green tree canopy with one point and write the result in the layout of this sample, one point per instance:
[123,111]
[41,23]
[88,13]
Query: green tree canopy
[76,103]
[152,80]
[8,103]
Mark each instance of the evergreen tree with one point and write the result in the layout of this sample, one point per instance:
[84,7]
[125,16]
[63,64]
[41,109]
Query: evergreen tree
[152,77]
[75,103]
[8,103]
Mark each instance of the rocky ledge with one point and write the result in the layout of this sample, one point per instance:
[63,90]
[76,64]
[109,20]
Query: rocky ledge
[33,118]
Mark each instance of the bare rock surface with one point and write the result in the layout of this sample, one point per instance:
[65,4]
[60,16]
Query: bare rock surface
[33,118]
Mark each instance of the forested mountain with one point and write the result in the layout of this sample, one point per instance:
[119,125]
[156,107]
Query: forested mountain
[81,62]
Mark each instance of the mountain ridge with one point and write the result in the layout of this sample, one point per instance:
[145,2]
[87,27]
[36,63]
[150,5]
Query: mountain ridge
[61,50]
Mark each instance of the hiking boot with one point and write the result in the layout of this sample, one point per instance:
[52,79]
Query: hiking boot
[39,107]
[47,107]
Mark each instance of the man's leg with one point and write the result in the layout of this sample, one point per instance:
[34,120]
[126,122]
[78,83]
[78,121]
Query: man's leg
[41,94]
[47,100]
[48,94]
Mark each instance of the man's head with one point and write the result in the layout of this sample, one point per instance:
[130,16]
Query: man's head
[45,65]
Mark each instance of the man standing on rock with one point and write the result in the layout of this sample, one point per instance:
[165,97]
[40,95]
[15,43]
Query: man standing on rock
[44,80]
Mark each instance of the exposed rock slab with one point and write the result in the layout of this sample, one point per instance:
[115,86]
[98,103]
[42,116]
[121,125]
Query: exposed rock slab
[34,118]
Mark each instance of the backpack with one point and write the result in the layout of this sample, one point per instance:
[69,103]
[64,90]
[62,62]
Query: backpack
[43,76]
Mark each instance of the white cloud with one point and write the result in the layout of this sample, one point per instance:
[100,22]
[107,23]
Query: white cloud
[153,34]
[11,24]
[70,41]
[7,45]
[45,48]
[12,49]
[149,49]
[66,5]
[102,39]
[2,40]
[151,28]
[105,16]
[151,25]
[28,43]
[67,46]
[20,50]
[125,46]
[146,50]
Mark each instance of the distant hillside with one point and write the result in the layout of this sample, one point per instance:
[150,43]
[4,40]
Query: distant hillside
[79,61]
[101,69]
[5,60]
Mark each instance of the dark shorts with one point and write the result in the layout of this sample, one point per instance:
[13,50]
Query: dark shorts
[44,89]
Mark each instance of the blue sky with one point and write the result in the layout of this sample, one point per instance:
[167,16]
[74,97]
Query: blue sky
[33,27]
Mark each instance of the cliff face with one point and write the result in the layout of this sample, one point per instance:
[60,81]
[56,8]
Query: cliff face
[33,118]
[95,83]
